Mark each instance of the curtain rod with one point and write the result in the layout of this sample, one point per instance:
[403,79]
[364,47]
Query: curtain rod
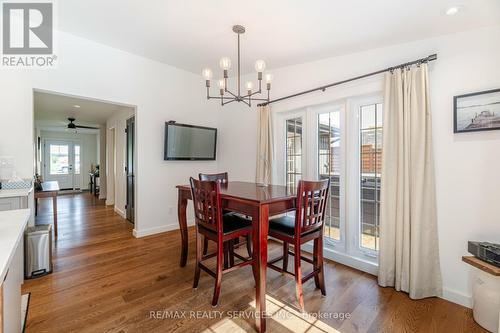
[323,88]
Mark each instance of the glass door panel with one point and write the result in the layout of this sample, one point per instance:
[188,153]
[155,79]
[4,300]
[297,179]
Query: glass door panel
[62,161]
[293,153]
[59,159]
[371,166]
[329,166]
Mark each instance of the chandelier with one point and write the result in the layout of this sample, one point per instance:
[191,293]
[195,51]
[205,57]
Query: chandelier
[226,96]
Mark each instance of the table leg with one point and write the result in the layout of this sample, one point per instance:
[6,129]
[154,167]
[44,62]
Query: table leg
[181,215]
[260,231]
[54,207]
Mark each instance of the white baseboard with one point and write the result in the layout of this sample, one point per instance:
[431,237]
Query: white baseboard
[158,230]
[120,212]
[450,295]
[357,263]
[457,297]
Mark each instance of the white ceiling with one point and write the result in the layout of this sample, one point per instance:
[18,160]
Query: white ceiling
[52,110]
[192,34]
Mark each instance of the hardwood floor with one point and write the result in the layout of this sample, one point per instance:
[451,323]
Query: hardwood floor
[105,280]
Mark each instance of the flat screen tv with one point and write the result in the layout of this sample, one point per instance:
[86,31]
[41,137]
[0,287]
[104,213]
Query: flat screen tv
[189,143]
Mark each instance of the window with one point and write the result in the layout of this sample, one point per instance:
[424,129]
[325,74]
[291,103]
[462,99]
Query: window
[370,156]
[329,166]
[77,159]
[293,153]
[59,159]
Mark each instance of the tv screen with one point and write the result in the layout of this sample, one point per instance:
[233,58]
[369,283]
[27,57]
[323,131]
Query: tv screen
[189,143]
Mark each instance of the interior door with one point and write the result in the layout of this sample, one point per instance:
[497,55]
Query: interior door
[129,168]
[62,163]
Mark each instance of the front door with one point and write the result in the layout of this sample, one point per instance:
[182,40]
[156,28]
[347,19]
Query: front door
[129,168]
[62,163]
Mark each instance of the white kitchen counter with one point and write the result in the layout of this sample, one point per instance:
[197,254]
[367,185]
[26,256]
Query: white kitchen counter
[18,199]
[22,192]
[12,225]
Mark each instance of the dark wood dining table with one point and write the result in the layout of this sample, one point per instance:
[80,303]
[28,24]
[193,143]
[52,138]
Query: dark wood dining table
[259,203]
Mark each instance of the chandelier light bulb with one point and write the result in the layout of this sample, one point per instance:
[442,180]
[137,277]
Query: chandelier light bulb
[269,78]
[207,73]
[225,63]
[222,84]
[260,66]
[453,10]
[249,86]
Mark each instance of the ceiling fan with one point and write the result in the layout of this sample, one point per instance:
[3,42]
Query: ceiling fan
[72,125]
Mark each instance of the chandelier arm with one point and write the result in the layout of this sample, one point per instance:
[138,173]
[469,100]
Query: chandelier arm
[259,99]
[223,98]
[229,91]
[249,95]
[224,103]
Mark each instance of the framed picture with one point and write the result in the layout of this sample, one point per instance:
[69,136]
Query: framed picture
[477,111]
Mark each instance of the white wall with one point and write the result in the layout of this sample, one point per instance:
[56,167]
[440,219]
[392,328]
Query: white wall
[88,150]
[118,122]
[468,181]
[160,92]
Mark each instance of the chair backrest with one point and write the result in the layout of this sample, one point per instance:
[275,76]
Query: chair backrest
[207,204]
[312,198]
[221,177]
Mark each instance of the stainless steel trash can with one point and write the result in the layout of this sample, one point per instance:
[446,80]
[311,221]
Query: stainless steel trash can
[38,251]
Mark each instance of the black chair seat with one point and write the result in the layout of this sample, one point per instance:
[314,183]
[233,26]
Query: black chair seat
[233,222]
[285,225]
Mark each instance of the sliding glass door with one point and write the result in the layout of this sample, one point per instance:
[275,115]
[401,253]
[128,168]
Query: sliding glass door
[341,142]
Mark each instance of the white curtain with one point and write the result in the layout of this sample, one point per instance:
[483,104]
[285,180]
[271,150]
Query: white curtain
[409,253]
[264,147]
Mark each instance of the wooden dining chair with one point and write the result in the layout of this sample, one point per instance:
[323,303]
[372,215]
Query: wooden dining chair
[224,178]
[306,225]
[222,229]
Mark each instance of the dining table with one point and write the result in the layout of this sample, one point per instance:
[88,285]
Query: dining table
[253,200]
